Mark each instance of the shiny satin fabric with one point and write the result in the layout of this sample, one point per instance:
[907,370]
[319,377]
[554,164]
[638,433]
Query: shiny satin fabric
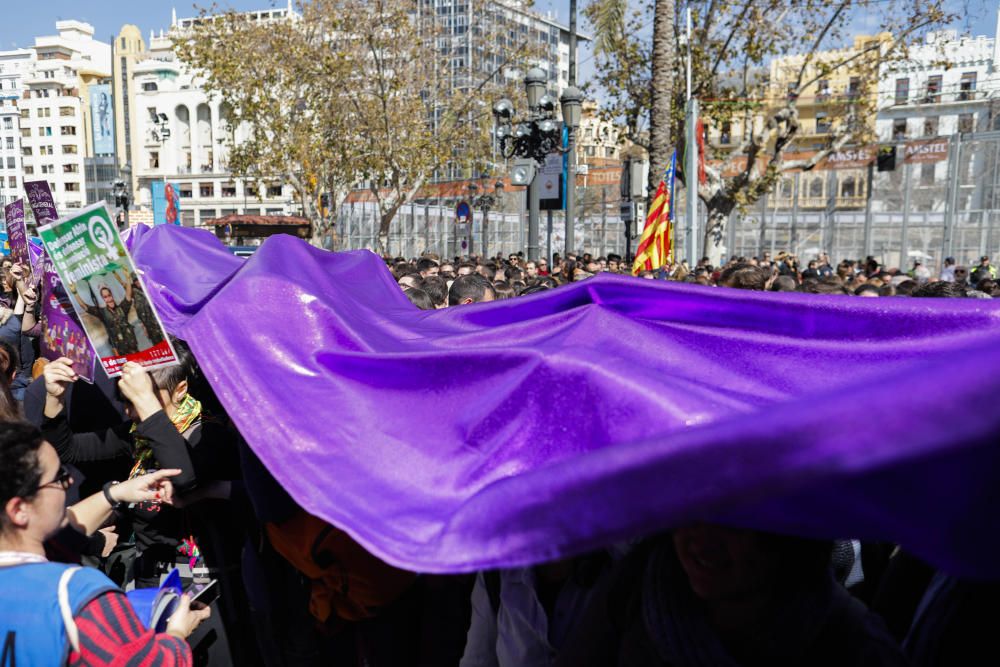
[509,433]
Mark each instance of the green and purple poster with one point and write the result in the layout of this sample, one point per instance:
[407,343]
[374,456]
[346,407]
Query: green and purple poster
[105,290]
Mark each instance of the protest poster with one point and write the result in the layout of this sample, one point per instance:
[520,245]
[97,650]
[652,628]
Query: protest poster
[43,206]
[17,235]
[105,291]
[62,335]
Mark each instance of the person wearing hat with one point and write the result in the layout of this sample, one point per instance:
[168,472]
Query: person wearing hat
[61,614]
[984,270]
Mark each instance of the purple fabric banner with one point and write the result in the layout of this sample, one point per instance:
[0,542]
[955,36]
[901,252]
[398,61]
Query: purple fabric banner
[43,206]
[62,335]
[510,433]
[17,235]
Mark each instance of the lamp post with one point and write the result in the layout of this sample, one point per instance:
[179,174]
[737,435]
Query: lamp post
[571,101]
[484,202]
[530,138]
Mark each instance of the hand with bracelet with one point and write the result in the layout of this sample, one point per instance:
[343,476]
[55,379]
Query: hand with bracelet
[91,513]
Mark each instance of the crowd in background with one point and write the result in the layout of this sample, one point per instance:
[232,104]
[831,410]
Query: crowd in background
[171,483]
[427,280]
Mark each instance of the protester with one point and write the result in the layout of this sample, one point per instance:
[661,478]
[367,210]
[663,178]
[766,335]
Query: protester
[470,288]
[94,624]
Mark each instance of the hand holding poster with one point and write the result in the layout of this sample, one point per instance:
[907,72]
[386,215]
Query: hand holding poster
[103,287]
[17,235]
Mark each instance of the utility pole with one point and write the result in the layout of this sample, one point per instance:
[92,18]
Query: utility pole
[691,163]
[571,141]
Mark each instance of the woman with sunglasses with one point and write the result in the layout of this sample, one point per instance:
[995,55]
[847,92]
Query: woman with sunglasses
[59,614]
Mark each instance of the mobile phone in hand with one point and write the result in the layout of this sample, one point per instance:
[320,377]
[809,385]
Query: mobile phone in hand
[202,595]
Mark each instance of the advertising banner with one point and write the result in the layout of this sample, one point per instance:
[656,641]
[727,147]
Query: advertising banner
[926,150]
[17,235]
[43,206]
[62,334]
[105,290]
[102,119]
[166,203]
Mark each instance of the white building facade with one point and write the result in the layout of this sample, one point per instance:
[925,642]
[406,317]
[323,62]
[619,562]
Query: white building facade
[181,135]
[55,110]
[13,65]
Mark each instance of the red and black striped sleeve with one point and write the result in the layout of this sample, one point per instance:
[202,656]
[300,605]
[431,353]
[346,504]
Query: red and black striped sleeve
[111,634]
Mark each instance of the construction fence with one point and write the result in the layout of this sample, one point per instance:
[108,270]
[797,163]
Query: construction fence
[941,198]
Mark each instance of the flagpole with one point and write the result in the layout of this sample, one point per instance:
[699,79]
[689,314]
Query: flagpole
[691,160]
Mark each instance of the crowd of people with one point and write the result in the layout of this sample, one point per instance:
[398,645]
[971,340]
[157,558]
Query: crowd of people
[109,486]
[428,280]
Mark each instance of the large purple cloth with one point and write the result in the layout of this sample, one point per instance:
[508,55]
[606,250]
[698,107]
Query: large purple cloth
[524,430]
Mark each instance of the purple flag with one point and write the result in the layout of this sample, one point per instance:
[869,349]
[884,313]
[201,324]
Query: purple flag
[41,202]
[509,433]
[17,235]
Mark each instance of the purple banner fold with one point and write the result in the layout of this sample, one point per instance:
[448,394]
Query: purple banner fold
[509,433]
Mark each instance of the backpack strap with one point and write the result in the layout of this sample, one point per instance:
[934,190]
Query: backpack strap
[67,612]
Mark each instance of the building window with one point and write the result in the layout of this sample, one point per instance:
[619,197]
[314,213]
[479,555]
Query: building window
[67,111]
[823,125]
[822,90]
[931,126]
[902,91]
[849,187]
[26,151]
[149,86]
[899,128]
[185,189]
[8,123]
[933,89]
[10,143]
[68,130]
[25,113]
[154,159]
[71,168]
[816,187]
[228,189]
[927,173]
[12,182]
[25,131]
[853,88]
[47,169]
[28,170]
[69,149]
[45,112]
[206,190]
[72,187]
[46,150]
[726,132]
[967,86]
[966,122]
[12,163]
[274,191]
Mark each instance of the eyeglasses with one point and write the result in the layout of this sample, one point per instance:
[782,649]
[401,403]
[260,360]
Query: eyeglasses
[63,479]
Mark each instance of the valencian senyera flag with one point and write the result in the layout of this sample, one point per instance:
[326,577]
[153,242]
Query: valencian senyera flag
[656,247]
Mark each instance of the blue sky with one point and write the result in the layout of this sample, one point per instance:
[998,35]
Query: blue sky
[978,17]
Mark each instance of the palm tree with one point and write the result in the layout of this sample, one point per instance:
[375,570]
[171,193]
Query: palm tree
[664,52]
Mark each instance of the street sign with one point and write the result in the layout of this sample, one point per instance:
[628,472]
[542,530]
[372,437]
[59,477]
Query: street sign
[550,183]
[463,212]
[625,211]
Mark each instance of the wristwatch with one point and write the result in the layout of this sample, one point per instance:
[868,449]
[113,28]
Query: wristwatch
[116,505]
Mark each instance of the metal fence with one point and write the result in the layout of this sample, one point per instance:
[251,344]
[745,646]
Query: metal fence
[925,209]
[942,200]
[431,225]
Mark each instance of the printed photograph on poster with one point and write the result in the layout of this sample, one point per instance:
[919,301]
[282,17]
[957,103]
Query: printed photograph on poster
[62,334]
[17,234]
[105,291]
[166,203]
